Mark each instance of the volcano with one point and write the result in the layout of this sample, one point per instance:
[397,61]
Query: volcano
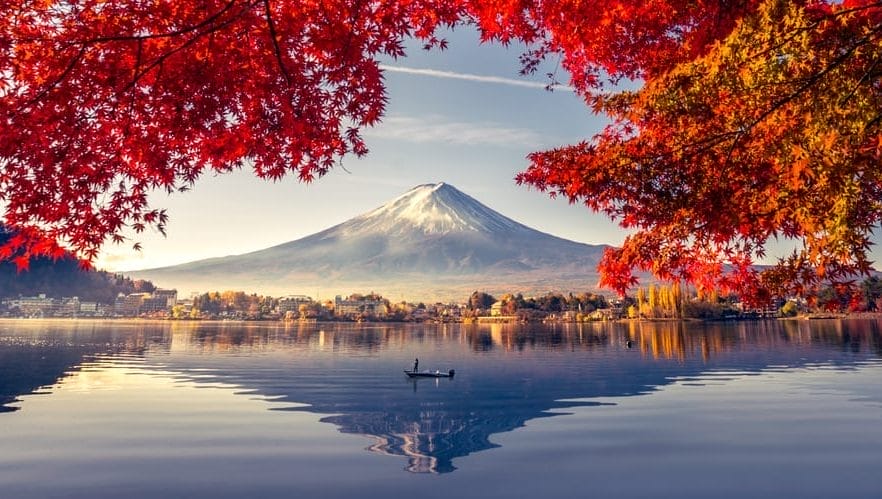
[432,242]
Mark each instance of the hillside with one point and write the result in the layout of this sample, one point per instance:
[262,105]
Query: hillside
[62,277]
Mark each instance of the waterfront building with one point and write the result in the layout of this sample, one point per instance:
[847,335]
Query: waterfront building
[292,303]
[33,306]
[359,306]
[169,296]
[129,305]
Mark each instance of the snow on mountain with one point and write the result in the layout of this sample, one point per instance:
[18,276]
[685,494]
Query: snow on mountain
[433,209]
[433,241]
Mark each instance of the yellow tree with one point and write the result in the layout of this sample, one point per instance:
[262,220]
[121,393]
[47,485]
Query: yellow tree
[641,301]
[653,300]
[677,298]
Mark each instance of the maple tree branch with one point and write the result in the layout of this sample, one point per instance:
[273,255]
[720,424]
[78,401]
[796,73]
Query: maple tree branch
[171,34]
[852,10]
[134,77]
[875,121]
[797,31]
[160,59]
[67,70]
[808,84]
[703,145]
[353,17]
[276,48]
[85,44]
[863,79]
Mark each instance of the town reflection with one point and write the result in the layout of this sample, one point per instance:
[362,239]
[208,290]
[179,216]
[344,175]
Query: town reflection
[506,374]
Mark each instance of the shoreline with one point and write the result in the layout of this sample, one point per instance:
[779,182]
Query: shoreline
[472,321]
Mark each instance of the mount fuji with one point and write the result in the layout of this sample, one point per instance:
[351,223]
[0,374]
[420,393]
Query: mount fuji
[432,242]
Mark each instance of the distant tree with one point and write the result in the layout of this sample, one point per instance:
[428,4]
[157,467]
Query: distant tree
[208,303]
[871,291]
[789,309]
[665,300]
[642,307]
[677,299]
[650,306]
[587,302]
[267,304]
[480,300]
[143,286]
[509,304]
[304,310]
[552,302]
[178,312]
[702,309]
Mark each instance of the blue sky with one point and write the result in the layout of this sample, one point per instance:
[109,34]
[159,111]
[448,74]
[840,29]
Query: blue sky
[467,131]
[463,116]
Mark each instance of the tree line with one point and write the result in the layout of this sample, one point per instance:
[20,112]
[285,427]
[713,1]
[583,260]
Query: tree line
[62,277]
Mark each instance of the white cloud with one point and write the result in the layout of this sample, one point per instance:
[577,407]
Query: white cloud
[438,129]
[435,73]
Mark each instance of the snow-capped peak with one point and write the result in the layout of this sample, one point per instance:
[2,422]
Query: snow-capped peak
[435,208]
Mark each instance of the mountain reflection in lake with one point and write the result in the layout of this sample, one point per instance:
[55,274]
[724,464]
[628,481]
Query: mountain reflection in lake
[507,375]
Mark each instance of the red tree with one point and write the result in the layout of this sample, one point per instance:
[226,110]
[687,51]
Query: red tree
[756,119]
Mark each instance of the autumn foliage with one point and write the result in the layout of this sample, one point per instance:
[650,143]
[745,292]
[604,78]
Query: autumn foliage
[753,120]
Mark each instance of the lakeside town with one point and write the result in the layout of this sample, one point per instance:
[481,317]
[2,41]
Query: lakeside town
[657,301]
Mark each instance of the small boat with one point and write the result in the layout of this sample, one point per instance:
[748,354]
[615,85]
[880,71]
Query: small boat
[430,374]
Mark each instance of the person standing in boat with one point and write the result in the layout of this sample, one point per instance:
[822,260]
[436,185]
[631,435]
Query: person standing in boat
[416,364]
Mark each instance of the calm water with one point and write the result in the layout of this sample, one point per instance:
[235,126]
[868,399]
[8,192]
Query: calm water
[116,409]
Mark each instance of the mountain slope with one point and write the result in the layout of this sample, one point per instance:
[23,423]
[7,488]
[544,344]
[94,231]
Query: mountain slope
[433,241]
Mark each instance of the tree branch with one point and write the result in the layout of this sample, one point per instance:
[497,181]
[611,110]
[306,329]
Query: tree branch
[159,60]
[809,83]
[171,34]
[276,48]
[42,93]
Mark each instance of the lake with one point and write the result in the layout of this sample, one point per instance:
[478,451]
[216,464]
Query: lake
[773,409]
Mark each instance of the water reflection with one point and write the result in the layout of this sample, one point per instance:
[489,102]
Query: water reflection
[506,374]
[707,340]
[35,355]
